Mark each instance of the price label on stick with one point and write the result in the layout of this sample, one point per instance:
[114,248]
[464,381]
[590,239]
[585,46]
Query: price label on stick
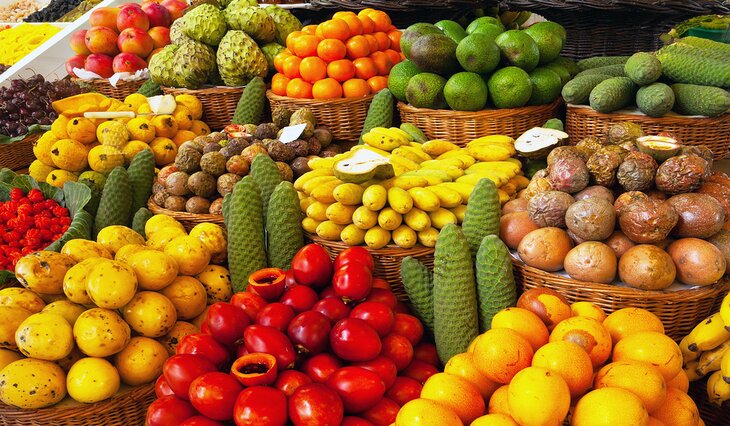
[292,133]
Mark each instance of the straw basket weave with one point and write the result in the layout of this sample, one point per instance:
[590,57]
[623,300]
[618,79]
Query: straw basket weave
[188,220]
[128,407]
[461,127]
[219,103]
[387,260]
[714,132]
[123,89]
[679,310]
[344,117]
[18,155]
[710,413]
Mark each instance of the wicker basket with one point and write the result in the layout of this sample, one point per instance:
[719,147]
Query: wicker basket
[711,414]
[679,310]
[101,85]
[188,220]
[714,132]
[460,126]
[387,260]
[406,12]
[219,103]
[128,407]
[18,155]
[344,117]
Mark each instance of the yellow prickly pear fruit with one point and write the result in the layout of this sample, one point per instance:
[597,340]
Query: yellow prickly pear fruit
[191,103]
[133,148]
[184,117]
[58,127]
[58,177]
[70,155]
[200,128]
[135,100]
[39,171]
[165,126]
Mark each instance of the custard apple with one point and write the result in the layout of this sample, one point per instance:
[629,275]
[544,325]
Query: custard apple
[285,22]
[270,51]
[206,24]
[252,20]
[177,36]
[162,66]
[194,64]
[226,3]
[240,59]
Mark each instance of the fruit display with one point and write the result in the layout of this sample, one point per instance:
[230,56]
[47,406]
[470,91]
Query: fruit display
[222,44]
[120,39]
[18,10]
[105,312]
[78,11]
[23,39]
[706,353]
[448,66]
[531,367]
[689,76]
[347,56]
[319,344]
[640,210]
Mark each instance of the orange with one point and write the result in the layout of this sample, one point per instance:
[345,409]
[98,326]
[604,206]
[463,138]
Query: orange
[456,393]
[313,69]
[680,381]
[637,377]
[343,14]
[383,41]
[355,88]
[290,39]
[394,37]
[677,409]
[393,55]
[352,21]
[365,12]
[372,42]
[524,323]
[549,305]
[588,334]
[499,402]
[279,60]
[655,348]
[357,47]
[368,26]
[298,88]
[588,309]
[335,29]
[305,45]
[327,88]
[655,422]
[279,83]
[500,353]
[473,343]
[365,68]
[377,83]
[609,407]
[290,66]
[570,362]
[381,20]
[309,29]
[538,396]
[331,50]
[382,63]
[341,70]
[424,412]
[627,321]
[462,365]
[494,420]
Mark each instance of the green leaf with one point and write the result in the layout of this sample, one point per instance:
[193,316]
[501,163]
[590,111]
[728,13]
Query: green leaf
[76,196]
[6,276]
[80,228]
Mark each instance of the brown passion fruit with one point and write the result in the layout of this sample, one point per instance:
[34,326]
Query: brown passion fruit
[513,206]
[591,261]
[721,240]
[591,219]
[719,192]
[548,208]
[545,248]
[700,215]
[627,198]
[596,191]
[648,221]
[698,262]
[514,226]
[619,242]
[647,267]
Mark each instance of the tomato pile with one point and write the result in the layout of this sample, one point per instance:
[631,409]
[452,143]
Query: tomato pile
[28,223]
[320,344]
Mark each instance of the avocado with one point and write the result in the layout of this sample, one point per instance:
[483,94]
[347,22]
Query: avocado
[435,53]
[478,53]
[399,77]
[412,33]
[518,49]
[466,91]
[510,87]
[484,20]
[549,42]
[426,90]
[452,29]
[546,86]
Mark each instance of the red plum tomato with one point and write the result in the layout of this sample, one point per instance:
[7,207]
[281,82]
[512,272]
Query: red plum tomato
[312,266]
[355,421]
[276,315]
[162,388]
[383,413]
[384,367]
[320,367]
[214,395]
[249,302]
[169,411]
[309,332]
[419,371]
[315,405]
[333,308]
[260,405]
[256,369]
[290,380]
[353,281]
[203,345]
[200,421]
[427,353]
[180,370]
[378,315]
[383,296]
[403,390]
[381,283]
[398,349]
[353,340]
[355,254]
[268,283]
[359,389]
[289,279]
[260,338]
[327,293]
[300,298]
[226,322]
[409,327]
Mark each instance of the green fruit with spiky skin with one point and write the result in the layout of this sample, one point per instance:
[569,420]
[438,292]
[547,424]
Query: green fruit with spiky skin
[496,288]
[482,214]
[266,175]
[270,51]
[380,112]
[655,100]
[206,24]
[141,173]
[692,99]
[418,283]
[115,204]
[245,225]
[140,219]
[286,22]
[285,236]
[601,61]
[578,90]
[149,89]
[240,59]
[226,3]
[93,205]
[612,94]
[162,66]
[252,20]
[251,104]
[194,63]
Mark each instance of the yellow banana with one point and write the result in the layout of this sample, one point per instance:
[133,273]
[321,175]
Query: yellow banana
[321,163]
[439,147]
[725,366]
[440,174]
[408,182]
[493,139]
[356,148]
[402,137]
[725,310]
[708,334]
[403,163]
[325,193]
[503,196]
[505,166]
[441,217]
[718,390]
[463,189]
[301,180]
[407,154]
[417,219]
[460,212]
[465,158]
[313,183]
[520,182]
[381,138]
[688,355]
[711,360]
[443,164]
[448,198]
[451,154]
[400,200]
[432,179]
[424,199]
[417,152]
[491,152]
[691,370]
[400,133]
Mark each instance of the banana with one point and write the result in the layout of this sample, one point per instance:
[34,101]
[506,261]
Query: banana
[306,202]
[493,139]
[403,135]
[448,198]
[325,193]
[453,153]
[408,182]
[460,212]
[321,163]
[438,147]
[711,360]
[407,154]
[691,370]
[506,166]
[385,154]
[440,174]
[708,334]
[503,196]
[443,164]
[520,182]
[403,163]
[313,183]
[301,180]
[718,390]
[417,219]
[424,199]
[688,355]
[382,138]
[725,366]
[417,152]
[725,310]
[491,152]
[462,188]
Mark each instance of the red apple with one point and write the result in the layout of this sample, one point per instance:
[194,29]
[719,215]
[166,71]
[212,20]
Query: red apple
[160,36]
[128,62]
[78,43]
[101,40]
[175,7]
[75,62]
[104,17]
[134,40]
[157,14]
[154,52]
[100,64]
[132,16]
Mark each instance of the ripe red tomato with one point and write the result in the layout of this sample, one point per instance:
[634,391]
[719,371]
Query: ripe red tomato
[169,411]
[204,345]
[309,332]
[384,367]
[290,380]
[214,395]
[315,405]
[277,315]
[333,308]
[355,421]
[327,293]
[381,295]
[353,281]
[419,371]
[290,280]
[383,413]
[162,388]
[250,303]
[427,353]
[359,389]
[226,322]
[355,254]
[261,405]
[353,340]
[378,315]
[320,367]
[180,370]
[381,283]
[398,349]
[200,421]
[260,338]
[312,266]
[403,390]
[300,298]
[409,327]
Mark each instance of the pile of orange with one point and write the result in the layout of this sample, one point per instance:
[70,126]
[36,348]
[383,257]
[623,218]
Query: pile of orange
[547,361]
[348,56]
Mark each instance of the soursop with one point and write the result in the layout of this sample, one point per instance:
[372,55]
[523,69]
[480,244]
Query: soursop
[252,20]
[206,23]
[162,66]
[270,51]
[285,21]
[177,36]
[194,63]
[240,59]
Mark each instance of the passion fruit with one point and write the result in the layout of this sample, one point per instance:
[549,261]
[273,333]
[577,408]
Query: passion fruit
[545,248]
[698,262]
[591,261]
[647,267]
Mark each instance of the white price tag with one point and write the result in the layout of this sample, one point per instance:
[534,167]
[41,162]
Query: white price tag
[292,133]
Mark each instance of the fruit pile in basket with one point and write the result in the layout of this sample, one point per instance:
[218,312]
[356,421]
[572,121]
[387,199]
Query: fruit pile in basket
[70,329]
[347,56]
[320,344]
[645,210]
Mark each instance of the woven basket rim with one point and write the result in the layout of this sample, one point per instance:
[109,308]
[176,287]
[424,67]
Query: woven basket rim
[332,101]
[677,120]
[105,81]
[389,250]
[156,209]
[212,89]
[502,112]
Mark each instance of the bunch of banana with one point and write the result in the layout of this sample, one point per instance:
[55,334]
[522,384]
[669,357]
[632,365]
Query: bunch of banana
[706,351]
